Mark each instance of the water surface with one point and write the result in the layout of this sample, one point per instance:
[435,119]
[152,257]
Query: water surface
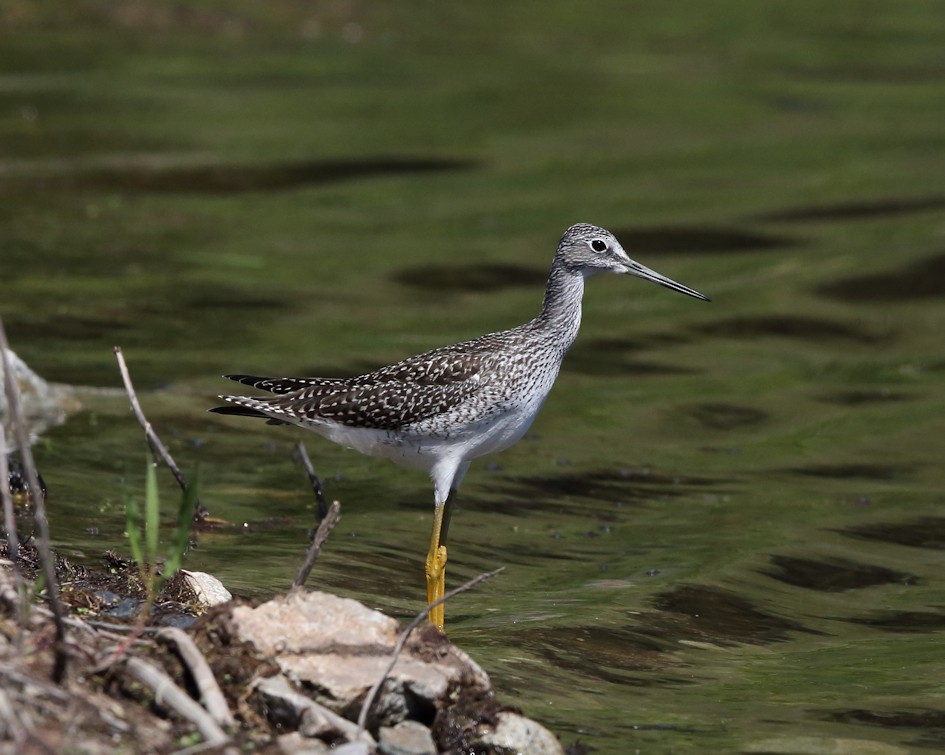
[725,531]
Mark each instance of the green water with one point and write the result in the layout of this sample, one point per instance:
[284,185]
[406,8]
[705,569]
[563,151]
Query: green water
[725,532]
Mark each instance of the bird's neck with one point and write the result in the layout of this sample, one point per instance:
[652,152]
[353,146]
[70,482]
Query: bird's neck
[560,315]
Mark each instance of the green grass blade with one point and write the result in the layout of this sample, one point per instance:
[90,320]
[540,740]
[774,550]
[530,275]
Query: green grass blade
[182,528]
[133,528]
[152,511]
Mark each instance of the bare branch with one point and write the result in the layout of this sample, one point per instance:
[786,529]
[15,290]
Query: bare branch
[321,535]
[203,677]
[372,694]
[153,440]
[39,509]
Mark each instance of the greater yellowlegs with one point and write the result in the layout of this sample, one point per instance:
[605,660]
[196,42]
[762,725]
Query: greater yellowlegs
[440,410]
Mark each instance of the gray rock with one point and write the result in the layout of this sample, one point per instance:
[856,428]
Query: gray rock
[43,404]
[515,733]
[208,590]
[406,738]
[339,648]
[295,744]
[352,748]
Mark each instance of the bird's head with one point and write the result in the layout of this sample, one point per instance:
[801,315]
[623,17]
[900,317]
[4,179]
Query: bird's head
[588,249]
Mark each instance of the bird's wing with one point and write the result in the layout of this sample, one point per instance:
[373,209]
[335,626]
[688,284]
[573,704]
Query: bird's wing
[388,399]
[383,406]
[438,367]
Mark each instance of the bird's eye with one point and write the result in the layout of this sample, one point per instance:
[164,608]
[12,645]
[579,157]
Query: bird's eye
[598,246]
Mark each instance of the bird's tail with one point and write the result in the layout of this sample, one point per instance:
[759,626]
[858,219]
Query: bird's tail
[242,410]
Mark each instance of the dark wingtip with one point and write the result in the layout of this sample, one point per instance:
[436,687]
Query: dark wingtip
[245,379]
[239,411]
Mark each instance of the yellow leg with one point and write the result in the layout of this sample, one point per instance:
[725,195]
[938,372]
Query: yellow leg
[436,570]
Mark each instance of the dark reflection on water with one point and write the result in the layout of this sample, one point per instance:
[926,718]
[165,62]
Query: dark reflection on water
[855,471]
[835,575]
[697,239]
[602,484]
[712,614]
[523,554]
[480,277]
[72,328]
[920,279]
[726,416]
[614,356]
[928,718]
[815,329]
[226,179]
[863,396]
[900,621]
[619,656]
[165,314]
[923,532]
[863,210]
[232,298]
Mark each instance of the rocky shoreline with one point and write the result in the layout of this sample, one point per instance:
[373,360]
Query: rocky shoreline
[290,675]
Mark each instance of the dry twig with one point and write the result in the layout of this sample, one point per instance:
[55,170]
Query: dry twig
[321,535]
[11,674]
[10,596]
[200,513]
[168,693]
[19,708]
[203,677]
[39,510]
[11,723]
[9,524]
[402,640]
